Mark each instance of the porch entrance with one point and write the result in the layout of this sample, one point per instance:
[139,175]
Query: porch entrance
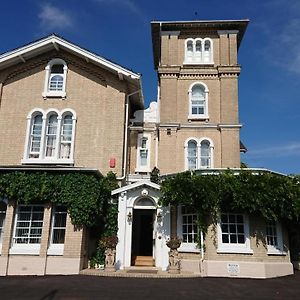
[142,237]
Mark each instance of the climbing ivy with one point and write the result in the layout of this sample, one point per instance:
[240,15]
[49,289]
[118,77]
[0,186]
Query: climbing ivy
[270,195]
[85,195]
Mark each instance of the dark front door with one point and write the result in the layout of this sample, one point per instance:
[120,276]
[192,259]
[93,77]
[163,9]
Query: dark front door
[142,232]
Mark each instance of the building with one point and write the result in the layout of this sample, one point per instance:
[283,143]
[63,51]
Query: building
[59,99]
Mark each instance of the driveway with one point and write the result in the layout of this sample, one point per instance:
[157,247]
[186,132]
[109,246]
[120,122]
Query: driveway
[94,287]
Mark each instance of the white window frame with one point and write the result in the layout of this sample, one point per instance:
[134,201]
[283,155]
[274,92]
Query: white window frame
[42,159]
[205,115]
[59,94]
[185,247]
[194,58]
[55,248]
[26,248]
[140,138]
[272,249]
[3,222]
[199,141]
[243,248]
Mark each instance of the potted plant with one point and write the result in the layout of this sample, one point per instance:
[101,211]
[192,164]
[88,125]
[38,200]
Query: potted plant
[174,242]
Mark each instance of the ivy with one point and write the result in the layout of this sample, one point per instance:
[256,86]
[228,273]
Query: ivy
[84,194]
[270,195]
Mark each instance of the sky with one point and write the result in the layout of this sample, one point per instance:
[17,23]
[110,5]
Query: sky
[269,84]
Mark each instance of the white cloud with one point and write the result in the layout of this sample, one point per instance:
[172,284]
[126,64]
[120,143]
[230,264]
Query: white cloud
[53,18]
[280,150]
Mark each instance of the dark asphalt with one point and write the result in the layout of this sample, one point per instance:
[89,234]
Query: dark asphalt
[93,287]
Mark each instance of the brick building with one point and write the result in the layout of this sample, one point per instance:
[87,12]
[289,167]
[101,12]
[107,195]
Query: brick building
[59,100]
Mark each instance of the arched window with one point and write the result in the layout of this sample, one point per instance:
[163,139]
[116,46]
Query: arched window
[36,135]
[205,154]
[55,79]
[66,138]
[198,96]
[192,155]
[50,137]
[198,154]
[198,51]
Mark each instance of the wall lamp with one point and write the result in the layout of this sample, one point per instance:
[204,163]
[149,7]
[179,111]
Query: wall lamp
[129,217]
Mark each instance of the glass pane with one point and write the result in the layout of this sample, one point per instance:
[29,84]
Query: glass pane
[198,46]
[225,238]
[198,92]
[58,69]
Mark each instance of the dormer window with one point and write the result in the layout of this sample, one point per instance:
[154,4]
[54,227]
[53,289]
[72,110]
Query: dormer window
[198,51]
[55,79]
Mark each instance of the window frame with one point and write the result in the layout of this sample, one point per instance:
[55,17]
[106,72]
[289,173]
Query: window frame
[186,246]
[239,248]
[57,93]
[198,157]
[26,248]
[42,158]
[140,138]
[191,58]
[57,248]
[272,249]
[205,115]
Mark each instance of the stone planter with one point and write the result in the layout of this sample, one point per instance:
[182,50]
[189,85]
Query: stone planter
[174,258]
[110,256]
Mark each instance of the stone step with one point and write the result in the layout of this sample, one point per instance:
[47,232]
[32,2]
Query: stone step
[143,261]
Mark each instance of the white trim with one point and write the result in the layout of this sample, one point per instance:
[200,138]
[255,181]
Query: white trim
[185,247]
[273,250]
[198,141]
[29,249]
[191,58]
[135,186]
[205,115]
[42,159]
[235,248]
[71,47]
[140,138]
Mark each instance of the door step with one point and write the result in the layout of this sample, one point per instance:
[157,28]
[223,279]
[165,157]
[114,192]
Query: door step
[142,270]
[143,261]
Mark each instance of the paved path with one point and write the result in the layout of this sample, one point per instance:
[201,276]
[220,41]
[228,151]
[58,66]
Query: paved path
[93,287]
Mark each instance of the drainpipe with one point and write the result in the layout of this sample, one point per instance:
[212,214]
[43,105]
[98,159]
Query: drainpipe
[126,135]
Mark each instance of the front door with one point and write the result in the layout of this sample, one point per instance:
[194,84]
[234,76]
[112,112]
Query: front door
[142,237]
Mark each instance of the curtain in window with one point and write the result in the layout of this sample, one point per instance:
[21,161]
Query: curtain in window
[51,136]
[205,154]
[192,155]
[198,100]
[66,136]
[36,135]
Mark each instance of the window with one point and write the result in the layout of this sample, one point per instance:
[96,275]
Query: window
[51,137]
[233,234]
[143,153]
[199,154]
[55,79]
[28,229]
[2,220]
[198,101]
[58,231]
[188,229]
[274,238]
[198,51]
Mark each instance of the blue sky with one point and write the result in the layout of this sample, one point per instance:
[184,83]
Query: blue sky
[120,30]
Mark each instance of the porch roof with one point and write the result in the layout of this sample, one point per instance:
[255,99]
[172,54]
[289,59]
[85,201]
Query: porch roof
[135,186]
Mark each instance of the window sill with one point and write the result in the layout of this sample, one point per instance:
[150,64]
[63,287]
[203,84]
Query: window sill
[142,170]
[54,94]
[198,117]
[23,250]
[186,247]
[46,161]
[56,250]
[211,63]
[233,250]
[277,252]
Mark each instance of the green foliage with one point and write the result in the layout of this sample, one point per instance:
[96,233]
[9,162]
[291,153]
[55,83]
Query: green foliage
[85,195]
[270,195]
[154,175]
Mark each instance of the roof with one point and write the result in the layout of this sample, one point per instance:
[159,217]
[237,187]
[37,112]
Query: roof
[53,41]
[136,185]
[158,26]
